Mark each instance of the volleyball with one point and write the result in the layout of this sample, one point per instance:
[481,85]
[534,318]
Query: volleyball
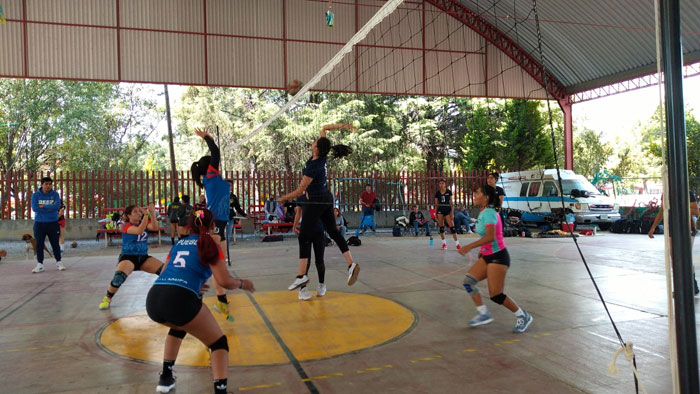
[74,245]
[3,253]
[294,87]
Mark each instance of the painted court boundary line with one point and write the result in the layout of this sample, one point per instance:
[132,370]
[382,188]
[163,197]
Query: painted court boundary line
[26,301]
[297,365]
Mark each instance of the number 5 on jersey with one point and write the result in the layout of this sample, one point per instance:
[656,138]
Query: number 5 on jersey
[179,261]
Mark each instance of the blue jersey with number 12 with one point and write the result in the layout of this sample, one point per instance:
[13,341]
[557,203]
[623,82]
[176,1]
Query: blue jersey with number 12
[134,244]
[184,268]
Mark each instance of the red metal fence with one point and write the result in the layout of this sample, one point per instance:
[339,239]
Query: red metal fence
[87,193]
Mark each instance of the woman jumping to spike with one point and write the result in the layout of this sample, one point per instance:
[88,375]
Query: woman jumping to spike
[493,262]
[134,256]
[320,204]
[175,299]
[206,175]
[444,212]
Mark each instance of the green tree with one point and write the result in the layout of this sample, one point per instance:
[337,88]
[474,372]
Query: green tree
[590,153]
[525,143]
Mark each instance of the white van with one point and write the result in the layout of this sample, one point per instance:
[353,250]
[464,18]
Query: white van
[537,192]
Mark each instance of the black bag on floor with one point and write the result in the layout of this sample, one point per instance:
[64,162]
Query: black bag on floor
[396,231]
[354,241]
[272,238]
[618,226]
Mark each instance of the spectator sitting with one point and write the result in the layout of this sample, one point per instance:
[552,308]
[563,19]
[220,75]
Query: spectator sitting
[289,212]
[270,210]
[462,219]
[339,222]
[417,219]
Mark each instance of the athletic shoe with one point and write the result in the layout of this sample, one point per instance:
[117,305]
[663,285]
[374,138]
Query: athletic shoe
[39,268]
[353,272]
[480,319]
[60,266]
[298,282]
[105,303]
[458,246]
[321,290]
[522,322]
[165,384]
[444,247]
[222,308]
[374,231]
[305,294]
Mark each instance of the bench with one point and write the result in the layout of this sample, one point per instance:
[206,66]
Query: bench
[279,227]
[108,234]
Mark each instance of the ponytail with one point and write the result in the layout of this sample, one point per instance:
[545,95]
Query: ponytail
[340,151]
[199,169]
[200,222]
[490,192]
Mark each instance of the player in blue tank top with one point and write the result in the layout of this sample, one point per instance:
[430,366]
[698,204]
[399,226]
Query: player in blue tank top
[175,300]
[206,175]
[134,256]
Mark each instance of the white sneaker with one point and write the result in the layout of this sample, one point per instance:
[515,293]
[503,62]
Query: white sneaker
[39,268]
[321,290]
[305,294]
[353,272]
[60,266]
[298,282]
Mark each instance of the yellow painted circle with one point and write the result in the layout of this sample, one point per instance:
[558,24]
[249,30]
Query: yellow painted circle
[328,326]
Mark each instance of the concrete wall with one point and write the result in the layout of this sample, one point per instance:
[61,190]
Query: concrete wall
[12,230]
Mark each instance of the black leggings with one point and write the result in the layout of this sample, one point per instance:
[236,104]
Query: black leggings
[320,208]
[319,243]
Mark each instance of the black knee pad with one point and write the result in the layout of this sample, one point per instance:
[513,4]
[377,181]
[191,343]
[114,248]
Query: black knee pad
[453,230]
[118,279]
[177,333]
[442,229]
[221,343]
[499,298]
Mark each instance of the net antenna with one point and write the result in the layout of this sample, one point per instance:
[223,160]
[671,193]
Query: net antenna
[383,12]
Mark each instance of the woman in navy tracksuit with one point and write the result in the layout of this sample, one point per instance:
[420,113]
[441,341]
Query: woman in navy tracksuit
[46,203]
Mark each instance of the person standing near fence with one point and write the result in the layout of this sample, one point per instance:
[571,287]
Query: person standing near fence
[444,212]
[367,200]
[46,203]
[175,300]
[171,213]
[134,255]
[320,202]
[493,263]
[217,192]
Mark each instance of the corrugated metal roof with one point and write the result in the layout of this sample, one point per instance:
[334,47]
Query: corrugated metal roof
[595,42]
[419,49]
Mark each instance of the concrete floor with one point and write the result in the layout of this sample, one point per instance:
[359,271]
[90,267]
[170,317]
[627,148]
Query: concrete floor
[50,324]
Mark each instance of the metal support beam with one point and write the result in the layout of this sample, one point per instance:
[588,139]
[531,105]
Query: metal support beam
[501,41]
[678,201]
[565,105]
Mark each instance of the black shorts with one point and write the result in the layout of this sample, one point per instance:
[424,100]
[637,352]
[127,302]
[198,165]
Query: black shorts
[501,257]
[175,221]
[220,228]
[444,210]
[172,304]
[136,259]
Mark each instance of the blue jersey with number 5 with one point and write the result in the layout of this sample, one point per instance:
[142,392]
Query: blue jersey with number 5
[134,243]
[184,268]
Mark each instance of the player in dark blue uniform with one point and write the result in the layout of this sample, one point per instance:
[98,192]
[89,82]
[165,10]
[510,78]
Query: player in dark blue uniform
[134,256]
[443,212]
[320,203]
[206,174]
[318,241]
[175,299]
